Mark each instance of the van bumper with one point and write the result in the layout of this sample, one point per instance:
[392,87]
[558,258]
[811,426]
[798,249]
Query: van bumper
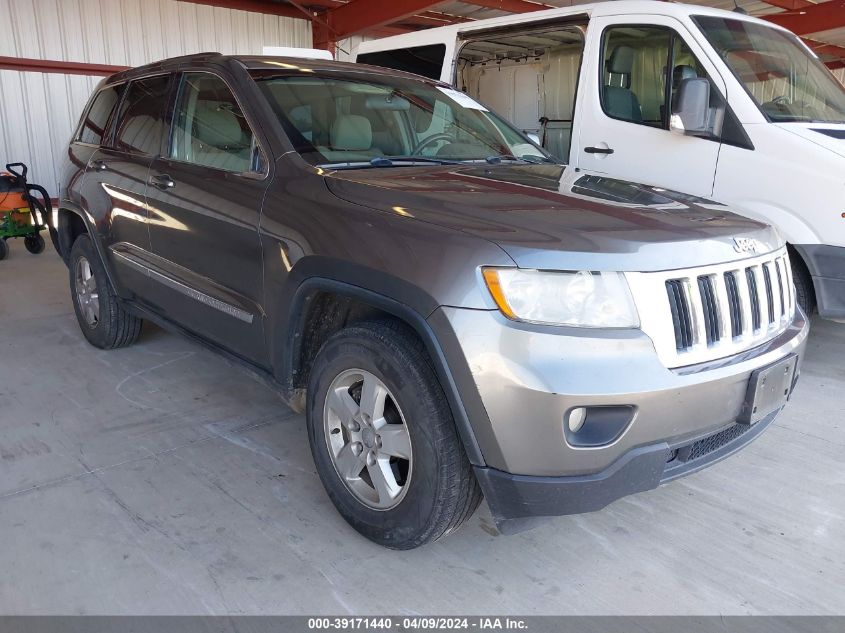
[827,268]
[529,377]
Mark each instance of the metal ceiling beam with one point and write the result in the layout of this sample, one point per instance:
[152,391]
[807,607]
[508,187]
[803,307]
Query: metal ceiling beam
[789,5]
[358,16]
[511,6]
[254,6]
[812,19]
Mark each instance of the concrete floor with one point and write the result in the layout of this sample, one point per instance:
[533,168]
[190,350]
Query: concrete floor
[160,480]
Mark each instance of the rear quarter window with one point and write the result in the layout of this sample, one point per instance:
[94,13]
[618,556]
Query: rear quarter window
[95,120]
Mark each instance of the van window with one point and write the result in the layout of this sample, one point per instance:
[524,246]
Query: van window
[420,60]
[634,74]
[141,127]
[209,127]
[374,121]
[636,61]
[785,81]
[96,119]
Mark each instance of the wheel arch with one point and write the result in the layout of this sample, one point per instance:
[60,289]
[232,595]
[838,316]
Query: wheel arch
[348,302]
[73,222]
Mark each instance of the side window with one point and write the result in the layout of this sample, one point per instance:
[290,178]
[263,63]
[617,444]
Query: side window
[209,127]
[420,60]
[96,119]
[634,74]
[141,127]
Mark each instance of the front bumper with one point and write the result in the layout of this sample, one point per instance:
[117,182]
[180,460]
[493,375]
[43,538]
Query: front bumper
[827,268]
[528,377]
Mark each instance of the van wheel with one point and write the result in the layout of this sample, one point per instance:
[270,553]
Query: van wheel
[804,293]
[383,438]
[102,319]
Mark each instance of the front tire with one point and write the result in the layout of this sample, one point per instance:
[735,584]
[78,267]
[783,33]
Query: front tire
[4,249]
[384,440]
[103,321]
[804,293]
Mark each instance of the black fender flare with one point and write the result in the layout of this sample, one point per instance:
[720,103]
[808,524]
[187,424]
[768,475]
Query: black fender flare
[414,318]
[64,243]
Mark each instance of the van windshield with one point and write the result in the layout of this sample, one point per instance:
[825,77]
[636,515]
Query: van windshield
[369,122]
[786,81]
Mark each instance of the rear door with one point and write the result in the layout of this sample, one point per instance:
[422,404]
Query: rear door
[204,197]
[636,64]
[114,183]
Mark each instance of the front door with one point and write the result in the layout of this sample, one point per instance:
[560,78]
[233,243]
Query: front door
[204,198]
[625,105]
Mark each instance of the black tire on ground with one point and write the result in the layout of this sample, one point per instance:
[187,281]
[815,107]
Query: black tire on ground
[114,326]
[442,490]
[4,249]
[34,243]
[804,293]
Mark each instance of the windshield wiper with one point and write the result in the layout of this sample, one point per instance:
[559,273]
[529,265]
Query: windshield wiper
[417,159]
[528,158]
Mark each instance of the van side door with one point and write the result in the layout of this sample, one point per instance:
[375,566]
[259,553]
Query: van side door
[632,70]
[204,195]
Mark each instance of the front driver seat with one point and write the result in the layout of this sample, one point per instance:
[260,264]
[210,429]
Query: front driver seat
[620,101]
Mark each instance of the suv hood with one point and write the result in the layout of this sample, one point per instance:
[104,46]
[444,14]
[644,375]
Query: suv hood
[554,217]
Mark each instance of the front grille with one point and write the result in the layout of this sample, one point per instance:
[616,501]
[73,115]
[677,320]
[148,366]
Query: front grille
[734,303]
[717,311]
[712,327]
[679,306]
[708,444]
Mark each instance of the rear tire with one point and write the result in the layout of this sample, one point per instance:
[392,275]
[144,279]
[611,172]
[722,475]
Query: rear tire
[4,248]
[434,485]
[804,293]
[103,321]
[34,243]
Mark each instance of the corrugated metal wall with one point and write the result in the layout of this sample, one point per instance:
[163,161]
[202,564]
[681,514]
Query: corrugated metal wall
[38,111]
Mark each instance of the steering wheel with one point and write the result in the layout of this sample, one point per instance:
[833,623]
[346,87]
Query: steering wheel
[441,136]
[781,100]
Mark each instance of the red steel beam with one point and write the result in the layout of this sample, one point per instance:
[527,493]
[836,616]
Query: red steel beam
[789,5]
[511,6]
[254,6]
[25,64]
[358,16]
[812,19]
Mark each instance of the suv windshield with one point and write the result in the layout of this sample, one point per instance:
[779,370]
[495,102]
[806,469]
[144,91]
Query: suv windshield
[384,122]
[786,81]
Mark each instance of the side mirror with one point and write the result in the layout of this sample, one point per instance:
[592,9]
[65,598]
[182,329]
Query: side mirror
[535,138]
[691,113]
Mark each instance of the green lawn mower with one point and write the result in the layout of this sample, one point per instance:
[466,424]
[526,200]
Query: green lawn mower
[25,210]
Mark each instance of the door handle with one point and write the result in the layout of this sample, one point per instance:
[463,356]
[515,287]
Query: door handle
[598,150]
[99,165]
[162,181]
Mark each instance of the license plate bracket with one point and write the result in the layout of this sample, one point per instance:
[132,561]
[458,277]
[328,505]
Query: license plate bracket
[768,390]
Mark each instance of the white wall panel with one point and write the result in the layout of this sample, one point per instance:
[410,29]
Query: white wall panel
[38,111]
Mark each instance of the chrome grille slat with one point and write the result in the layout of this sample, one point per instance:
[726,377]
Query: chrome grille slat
[711,312]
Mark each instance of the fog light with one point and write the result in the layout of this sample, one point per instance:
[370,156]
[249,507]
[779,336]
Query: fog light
[597,425]
[576,419]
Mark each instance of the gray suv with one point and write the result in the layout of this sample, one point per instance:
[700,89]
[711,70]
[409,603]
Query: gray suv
[457,314]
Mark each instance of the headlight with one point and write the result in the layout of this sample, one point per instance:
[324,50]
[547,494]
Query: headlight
[580,299]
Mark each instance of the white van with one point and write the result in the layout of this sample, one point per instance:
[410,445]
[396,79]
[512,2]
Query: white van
[704,101]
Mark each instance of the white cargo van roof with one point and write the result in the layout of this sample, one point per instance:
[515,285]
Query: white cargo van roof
[596,9]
